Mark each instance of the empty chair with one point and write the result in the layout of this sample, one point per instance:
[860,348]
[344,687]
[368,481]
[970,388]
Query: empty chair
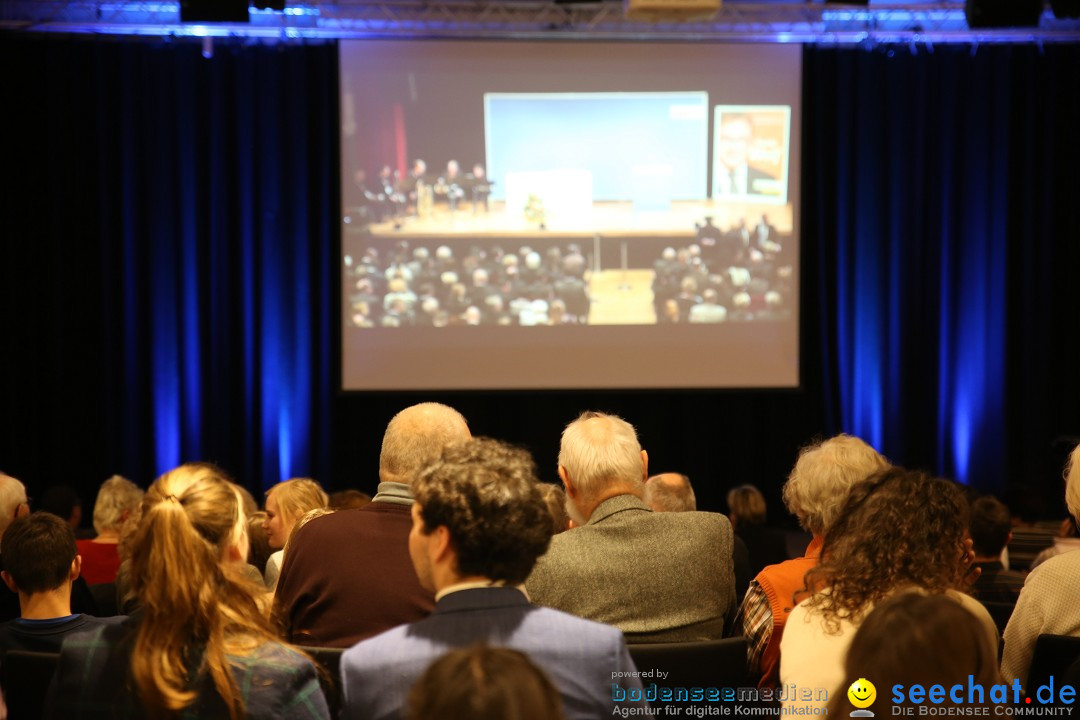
[705,664]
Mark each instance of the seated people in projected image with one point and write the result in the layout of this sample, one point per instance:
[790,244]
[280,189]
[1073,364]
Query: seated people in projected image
[450,185]
[444,286]
[734,176]
[479,188]
[733,275]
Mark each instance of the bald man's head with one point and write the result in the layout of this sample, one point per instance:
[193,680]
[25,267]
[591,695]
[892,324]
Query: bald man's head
[670,492]
[416,437]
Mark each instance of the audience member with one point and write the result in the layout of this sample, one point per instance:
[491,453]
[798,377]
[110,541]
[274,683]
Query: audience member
[913,638]
[247,500]
[670,492]
[326,597]
[13,505]
[478,525]
[200,645]
[348,500]
[556,504]
[484,683]
[62,501]
[1047,604]
[1065,541]
[767,546]
[127,600]
[814,493]
[658,577]
[1031,534]
[117,501]
[897,530]
[990,533]
[285,503]
[259,550]
[41,562]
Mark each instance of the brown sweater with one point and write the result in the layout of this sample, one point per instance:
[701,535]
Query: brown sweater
[347,576]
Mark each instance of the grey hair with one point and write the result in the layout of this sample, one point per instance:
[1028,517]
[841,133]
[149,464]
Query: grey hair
[116,495]
[663,496]
[824,475]
[598,450]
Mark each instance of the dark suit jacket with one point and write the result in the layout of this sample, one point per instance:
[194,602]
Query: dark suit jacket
[578,656]
[658,577]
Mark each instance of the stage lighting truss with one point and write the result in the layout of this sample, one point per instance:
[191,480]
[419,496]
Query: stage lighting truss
[816,22]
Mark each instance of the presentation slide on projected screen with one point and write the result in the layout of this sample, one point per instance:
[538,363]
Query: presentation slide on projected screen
[523,215]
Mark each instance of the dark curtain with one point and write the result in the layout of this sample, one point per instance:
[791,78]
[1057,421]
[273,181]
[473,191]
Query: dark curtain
[941,200]
[168,226]
[169,265]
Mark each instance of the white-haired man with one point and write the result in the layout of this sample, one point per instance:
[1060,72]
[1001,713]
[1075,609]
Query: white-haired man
[815,491]
[347,575]
[13,504]
[658,577]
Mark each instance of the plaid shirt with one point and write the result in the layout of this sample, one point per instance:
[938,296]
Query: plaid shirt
[93,680]
[755,618]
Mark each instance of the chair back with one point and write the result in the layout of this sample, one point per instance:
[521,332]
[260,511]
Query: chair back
[25,677]
[704,664]
[329,662]
[1053,657]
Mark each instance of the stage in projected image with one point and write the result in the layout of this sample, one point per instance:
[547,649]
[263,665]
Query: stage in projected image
[569,215]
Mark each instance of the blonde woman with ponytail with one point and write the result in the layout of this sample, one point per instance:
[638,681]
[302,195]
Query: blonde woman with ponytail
[199,647]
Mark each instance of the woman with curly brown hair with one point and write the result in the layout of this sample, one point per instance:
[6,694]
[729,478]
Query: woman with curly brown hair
[900,529]
[200,646]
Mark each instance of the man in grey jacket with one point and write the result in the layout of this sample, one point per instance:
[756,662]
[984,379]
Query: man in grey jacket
[658,577]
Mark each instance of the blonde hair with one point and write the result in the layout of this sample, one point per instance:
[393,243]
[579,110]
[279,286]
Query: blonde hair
[824,474]
[192,603]
[115,497]
[297,496]
[598,449]
[1072,483]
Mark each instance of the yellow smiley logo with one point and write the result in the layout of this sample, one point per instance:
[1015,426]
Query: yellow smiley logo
[862,693]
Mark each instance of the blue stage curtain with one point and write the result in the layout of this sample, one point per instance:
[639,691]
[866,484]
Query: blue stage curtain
[941,193]
[182,209]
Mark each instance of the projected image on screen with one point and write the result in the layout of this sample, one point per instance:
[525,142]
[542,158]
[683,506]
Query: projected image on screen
[750,160]
[500,186]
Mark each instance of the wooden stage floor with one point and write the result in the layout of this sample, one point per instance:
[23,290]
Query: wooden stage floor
[613,219]
[621,297]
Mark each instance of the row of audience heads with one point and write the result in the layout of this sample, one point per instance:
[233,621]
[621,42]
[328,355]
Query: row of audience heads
[898,511]
[885,528]
[823,474]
